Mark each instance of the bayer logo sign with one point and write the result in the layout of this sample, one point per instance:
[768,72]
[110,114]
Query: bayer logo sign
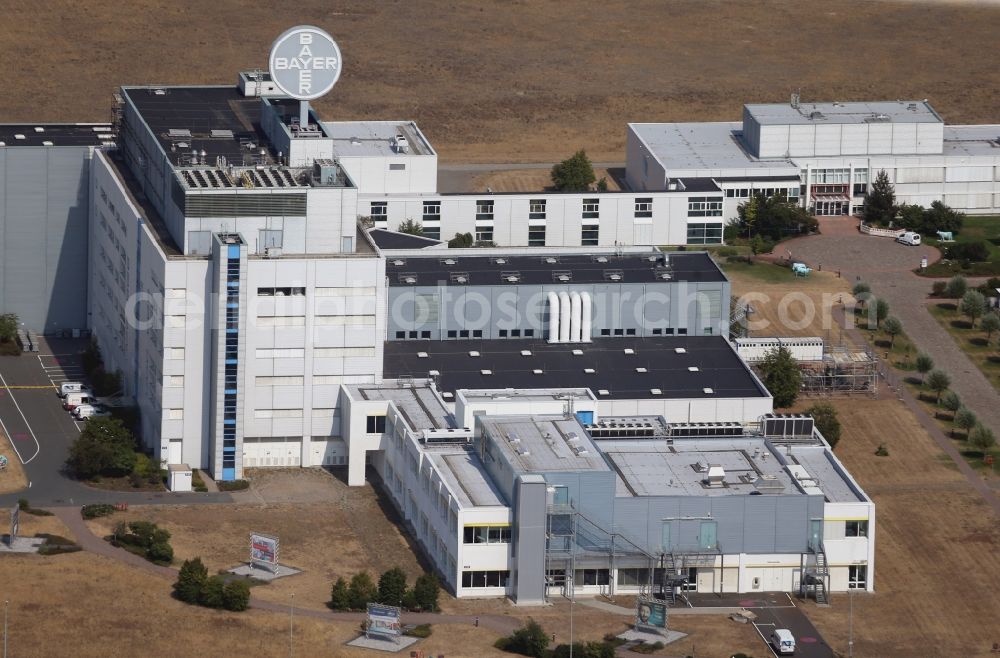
[305,62]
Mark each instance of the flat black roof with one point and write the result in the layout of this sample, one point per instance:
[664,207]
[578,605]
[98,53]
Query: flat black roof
[699,185]
[386,239]
[752,179]
[59,134]
[200,110]
[718,367]
[451,268]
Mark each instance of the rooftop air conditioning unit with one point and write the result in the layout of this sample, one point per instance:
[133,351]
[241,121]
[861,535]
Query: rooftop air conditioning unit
[402,145]
[716,476]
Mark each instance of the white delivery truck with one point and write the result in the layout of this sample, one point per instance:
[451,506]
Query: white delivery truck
[910,238]
[74,400]
[783,641]
[66,388]
[85,411]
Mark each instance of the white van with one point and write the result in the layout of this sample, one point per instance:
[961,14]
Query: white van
[85,411]
[70,387]
[783,641]
[910,238]
[74,400]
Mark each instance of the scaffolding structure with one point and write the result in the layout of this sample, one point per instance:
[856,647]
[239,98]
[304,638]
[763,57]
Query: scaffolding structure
[844,370]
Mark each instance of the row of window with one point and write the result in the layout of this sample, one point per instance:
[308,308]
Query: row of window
[281,292]
[375,424]
[485,578]
[705,206]
[591,209]
[704,233]
[482,534]
[745,192]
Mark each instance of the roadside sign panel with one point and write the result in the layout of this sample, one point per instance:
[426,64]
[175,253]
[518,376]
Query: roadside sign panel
[263,550]
[384,620]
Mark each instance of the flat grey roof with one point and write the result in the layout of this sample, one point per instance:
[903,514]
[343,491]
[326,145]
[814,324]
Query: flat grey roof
[972,140]
[466,477]
[657,468]
[540,444]
[417,402]
[702,146]
[59,134]
[527,395]
[850,112]
[817,462]
[375,138]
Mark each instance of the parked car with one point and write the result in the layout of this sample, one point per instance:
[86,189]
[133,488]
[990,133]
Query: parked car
[74,400]
[910,238]
[66,388]
[85,411]
[783,641]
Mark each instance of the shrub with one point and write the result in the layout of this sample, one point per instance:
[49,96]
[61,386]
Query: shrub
[726,252]
[236,596]
[96,510]
[104,447]
[956,287]
[423,630]
[136,480]
[392,587]
[529,640]
[55,545]
[951,402]
[160,552]
[938,288]
[340,596]
[974,252]
[190,580]
[35,511]
[981,438]
[425,592]
[197,483]
[361,591]
[924,364]
[585,650]
[827,422]
[23,504]
[881,451]
[211,594]
[973,305]
[965,419]
[233,485]
[648,648]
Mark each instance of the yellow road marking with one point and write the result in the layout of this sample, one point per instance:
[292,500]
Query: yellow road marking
[22,387]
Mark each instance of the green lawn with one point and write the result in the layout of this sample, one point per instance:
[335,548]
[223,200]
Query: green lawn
[760,270]
[985,228]
[971,341]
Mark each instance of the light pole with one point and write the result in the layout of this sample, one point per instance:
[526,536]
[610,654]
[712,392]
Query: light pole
[291,614]
[850,625]
[6,604]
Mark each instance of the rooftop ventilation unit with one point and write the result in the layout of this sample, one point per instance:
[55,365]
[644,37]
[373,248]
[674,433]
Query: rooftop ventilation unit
[680,350]
[707,391]
[787,426]
[537,371]
[614,275]
[221,134]
[577,352]
[421,355]
[485,372]
[433,373]
[629,350]
[473,353]
[18,136]
[47,143]
[460,277]
[550,260]
[500,261]
[655,391]
[603,391]
[179,133]
[448,261]
[693,368]
[409,280]
[39,129]
[399,262]
[510,277]
[525,352]
[401,144]
[562,277]
[716,476]
[600,259]
[589,371]
[666,276]
[700,467]
[816,114]
[641,369]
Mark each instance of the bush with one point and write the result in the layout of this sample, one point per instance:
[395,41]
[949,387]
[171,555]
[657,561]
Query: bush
[425,592]
[825,415]
[575,174]
[392,587]
[956,287]
[726,252]
[585,650]
[529,640]
[423,630]
[648,648]
[361,591]
[23,504]
[974,252]
[236,596]
[35,511]
[233,485]
[211,594]
[197,483]
[340,596]
[938,288]
[104,447]
[190,580]
[58,549]
[161,553]
[881,451]
[96,510]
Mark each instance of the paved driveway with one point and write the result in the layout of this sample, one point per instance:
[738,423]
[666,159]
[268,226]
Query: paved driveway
[887,267]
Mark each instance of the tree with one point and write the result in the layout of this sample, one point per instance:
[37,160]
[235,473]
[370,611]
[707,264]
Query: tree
[956,287]
[461,241]
[236,595]
[940,217]
[825,416]
[892,327]
[973,305]
[924,365]
[880,202]
[425,592]
[757,245]
[361,591]
[340,596]
[773,217]
[529,640]
[190,580]
[990,323]
[104,447]
[965,420]
[575,174]
[881,311]
[160,552]
[938,381]
[8,327]
[211,595]
[861,292]
[411,227]
[951,402]
[981,438]
[392,586]
[781,376]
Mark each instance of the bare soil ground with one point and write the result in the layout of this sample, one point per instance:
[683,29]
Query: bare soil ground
[348,532]
[937,561]
[12,478]
[531,180]
[521,80]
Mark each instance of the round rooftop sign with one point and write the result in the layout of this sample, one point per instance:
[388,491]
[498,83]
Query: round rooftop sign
[305,62]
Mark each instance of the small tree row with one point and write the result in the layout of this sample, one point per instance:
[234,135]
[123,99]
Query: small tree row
[194,586]
[977,436]
[391,590]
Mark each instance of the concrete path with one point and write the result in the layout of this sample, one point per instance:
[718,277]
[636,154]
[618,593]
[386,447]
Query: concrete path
[887,267]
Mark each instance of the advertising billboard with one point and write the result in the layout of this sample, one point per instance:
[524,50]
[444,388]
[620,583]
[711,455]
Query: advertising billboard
[263,549]
[651,613]
[383,620]
[305,62]
[15,522]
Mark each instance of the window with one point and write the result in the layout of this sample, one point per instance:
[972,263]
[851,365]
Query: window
[857,576]
[477,333]
[380,211]
[502,333]
[481,534]
[704,234]
[376,425]
[589,235]
[397,166]
[432,211]
[425,334]
[832,175]
[591,577]
[484,210]
[285,291]
[484,233]
[591,208]
[400,335]
[536,209]
[515,333]
[856,529]
[452,333]
[860,189]
[485,578]
[463,333]
[643,207]
[605,332]
[630,332]
[413,334]
[175,414]
[536,236]
[636,577]
[529,333]
[705,206]
[432,232]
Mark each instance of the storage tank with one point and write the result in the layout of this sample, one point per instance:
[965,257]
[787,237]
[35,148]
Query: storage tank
[586,312]
[564,317]
[575,316]
[553,317]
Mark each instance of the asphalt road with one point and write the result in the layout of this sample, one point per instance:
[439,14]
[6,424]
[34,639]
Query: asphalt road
[808,642]
[42,432]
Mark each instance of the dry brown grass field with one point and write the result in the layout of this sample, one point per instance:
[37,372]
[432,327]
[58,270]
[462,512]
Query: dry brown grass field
[518,80]
[12,477]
